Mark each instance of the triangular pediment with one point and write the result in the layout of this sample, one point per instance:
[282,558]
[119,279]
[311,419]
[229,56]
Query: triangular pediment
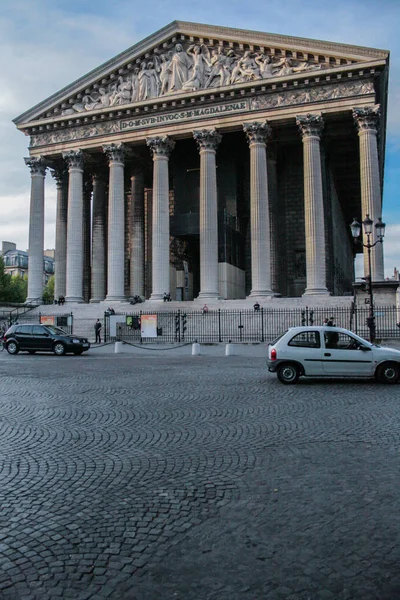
[183,58]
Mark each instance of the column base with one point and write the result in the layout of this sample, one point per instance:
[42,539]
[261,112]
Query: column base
[77,299]
[316,292]
[96,300]
[258,293]
[35,301]
[115,299]
[208,296]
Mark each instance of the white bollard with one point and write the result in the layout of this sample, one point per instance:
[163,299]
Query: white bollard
[229,350]
[118,347]
[195,349]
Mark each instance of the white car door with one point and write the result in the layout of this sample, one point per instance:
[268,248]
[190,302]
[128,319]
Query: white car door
[342,355]
[305,348]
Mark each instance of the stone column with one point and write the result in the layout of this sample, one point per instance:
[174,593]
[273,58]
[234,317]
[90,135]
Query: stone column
[60,259]
[207,141]
[36,230]
[137,234]
[74,279]
[87,201]
[257,134]
[367,120]
[116,222]
[98,279]
[310,127]
[161,148]
[276,215]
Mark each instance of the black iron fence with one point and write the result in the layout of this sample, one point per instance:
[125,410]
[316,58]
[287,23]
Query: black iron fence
[65,320]
[263,325]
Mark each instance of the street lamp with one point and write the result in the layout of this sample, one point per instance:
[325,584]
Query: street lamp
[380,234]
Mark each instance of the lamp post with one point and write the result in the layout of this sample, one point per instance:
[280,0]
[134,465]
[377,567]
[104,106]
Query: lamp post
[380,233]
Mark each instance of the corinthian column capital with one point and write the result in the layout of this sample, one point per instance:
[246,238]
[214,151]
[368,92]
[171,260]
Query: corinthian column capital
[60,175]
[310,125]
[257,133]
[160,146]
[207,139]
[74,159]
[116,152]
[367,117]
[37,165]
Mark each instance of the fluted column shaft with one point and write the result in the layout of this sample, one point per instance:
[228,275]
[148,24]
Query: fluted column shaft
[310,127]
[257,134]
[367,120]
[161,149]
[60,256]
[98,279]
[137,235]
[116,223]
[74,270]
[36,230]
[207,141]
[87,200]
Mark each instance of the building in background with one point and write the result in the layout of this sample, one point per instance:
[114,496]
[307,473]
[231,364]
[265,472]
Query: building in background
[16,261]
[211,162]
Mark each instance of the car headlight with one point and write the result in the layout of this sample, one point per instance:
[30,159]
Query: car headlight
[75,341]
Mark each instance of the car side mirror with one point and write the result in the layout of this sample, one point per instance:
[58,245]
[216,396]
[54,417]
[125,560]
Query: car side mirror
[365,348]
[46,335]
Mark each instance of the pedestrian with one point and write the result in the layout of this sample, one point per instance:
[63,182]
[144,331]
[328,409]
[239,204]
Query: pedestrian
[256,307]
[97,329]
[205,309]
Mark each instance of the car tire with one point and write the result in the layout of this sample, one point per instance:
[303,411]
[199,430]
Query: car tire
[288,373]
[388,372]
[12,348]
[59,349]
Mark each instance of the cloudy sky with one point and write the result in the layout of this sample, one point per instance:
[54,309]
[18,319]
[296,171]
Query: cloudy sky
[47,44]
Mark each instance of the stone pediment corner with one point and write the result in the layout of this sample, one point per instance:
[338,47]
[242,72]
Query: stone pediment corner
[183,58]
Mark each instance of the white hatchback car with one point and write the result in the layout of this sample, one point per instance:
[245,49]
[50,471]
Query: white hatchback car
[330,352]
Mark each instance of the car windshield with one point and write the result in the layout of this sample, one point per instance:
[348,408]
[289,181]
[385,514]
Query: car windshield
[56,330]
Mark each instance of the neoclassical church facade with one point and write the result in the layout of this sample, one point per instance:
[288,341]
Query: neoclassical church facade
[210,162]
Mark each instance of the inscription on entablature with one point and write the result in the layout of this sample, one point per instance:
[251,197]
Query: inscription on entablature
[268,101]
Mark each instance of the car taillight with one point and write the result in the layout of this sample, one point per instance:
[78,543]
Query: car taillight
[273,354]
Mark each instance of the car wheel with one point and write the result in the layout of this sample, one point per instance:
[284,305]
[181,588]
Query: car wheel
[388,373]
[12,348]
[288,373]
[31,351]
[78,352]
[59,349]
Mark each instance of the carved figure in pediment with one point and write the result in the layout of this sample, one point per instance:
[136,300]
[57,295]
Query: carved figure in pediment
[229,64]
[145,83]
[265,65]
[217,73]
[135,85]
[163,69]
[201,64]
[180,65]
[155,83]
[122,94]
[245,69]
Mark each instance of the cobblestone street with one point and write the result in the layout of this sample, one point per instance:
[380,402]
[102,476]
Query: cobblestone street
[163,476]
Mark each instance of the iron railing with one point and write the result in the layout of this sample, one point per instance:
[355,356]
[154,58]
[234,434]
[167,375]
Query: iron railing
[249,326]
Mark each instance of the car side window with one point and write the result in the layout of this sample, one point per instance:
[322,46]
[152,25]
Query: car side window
[38,331]
[24,330]
[340,341]
[306,339]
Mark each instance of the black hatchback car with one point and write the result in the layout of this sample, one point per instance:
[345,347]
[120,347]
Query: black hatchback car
[42,338]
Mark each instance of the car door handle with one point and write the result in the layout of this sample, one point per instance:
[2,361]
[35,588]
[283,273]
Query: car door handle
[327,354]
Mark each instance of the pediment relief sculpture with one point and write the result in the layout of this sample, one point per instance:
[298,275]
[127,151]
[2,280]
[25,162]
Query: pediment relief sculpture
[198,67]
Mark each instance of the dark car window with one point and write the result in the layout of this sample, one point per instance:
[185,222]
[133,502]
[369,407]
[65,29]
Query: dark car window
[306,339]
[341,341]
[39,331]
[24,330]
[56,330]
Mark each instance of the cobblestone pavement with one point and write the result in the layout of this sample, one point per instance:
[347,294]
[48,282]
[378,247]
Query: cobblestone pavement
[190,478]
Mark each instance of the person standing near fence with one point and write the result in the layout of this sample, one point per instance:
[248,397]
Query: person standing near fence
[97,329]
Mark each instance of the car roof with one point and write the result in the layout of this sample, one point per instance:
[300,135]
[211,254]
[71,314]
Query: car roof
[318,328]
